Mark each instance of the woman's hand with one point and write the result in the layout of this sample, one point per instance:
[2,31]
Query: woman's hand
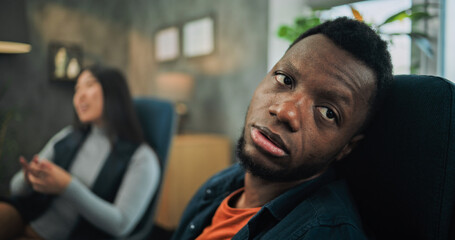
[46,177]
[26,166]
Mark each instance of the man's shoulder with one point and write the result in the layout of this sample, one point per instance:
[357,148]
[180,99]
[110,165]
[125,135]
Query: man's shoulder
[329,211]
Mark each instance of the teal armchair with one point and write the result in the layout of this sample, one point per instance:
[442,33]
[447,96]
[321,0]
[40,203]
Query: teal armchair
[158,122]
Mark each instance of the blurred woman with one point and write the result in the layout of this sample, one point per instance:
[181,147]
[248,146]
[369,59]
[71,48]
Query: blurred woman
[93,180]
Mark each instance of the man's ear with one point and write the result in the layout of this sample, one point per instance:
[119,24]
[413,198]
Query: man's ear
[349,147]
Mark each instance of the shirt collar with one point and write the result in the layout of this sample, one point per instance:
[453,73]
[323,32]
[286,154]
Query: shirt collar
[283,204]
[278,207]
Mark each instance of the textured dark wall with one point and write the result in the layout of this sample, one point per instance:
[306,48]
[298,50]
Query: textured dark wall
[120,33]
[41,107]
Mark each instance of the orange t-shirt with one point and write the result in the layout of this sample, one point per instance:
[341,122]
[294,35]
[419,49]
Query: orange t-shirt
[227,221]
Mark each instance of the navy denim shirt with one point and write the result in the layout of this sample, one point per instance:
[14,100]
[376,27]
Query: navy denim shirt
[317,209]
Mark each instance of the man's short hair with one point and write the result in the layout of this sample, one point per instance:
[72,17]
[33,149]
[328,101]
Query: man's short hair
[365,45]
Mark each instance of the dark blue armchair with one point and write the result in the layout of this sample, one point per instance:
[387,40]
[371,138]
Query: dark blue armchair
[403,174]
[158,119]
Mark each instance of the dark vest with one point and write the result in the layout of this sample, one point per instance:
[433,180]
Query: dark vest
[105,186]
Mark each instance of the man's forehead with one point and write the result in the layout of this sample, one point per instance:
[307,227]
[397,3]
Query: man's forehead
[321,54]
[311,46]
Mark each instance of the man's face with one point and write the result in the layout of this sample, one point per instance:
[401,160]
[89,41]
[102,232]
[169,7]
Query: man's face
[306,112]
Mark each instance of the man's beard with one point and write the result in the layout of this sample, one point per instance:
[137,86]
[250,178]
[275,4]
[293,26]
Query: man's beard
[290,174]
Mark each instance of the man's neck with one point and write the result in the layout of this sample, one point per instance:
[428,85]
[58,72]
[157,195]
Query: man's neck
[258,191]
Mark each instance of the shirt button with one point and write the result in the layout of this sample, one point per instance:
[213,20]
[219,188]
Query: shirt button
[208,191]
[192,226]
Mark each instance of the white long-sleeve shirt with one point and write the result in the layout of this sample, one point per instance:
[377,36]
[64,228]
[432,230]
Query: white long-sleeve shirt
[138,186]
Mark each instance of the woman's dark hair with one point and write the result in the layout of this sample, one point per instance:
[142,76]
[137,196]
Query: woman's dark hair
[119,116]
[364,44]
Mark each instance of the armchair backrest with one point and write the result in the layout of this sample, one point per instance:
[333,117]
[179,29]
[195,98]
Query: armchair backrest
[158,119]
[403,174]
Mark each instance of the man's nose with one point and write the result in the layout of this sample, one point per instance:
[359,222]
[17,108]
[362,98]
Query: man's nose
[288,113]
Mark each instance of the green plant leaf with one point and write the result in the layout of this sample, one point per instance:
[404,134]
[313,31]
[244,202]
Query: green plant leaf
[287,33]
[414,16]
[396,17]
[301,24]
[415,13]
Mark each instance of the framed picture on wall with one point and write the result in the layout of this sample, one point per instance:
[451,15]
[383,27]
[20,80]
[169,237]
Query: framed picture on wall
[65,61]
[167,44]
[199,37]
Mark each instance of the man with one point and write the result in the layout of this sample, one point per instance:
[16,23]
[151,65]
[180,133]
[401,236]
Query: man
[307,113]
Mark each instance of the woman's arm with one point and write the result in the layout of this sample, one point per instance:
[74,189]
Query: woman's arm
[139,185]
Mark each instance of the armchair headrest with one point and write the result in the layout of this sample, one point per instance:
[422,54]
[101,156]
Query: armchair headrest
[403,174]
[157,118]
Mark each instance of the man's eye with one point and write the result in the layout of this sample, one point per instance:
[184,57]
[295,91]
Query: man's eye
[328,114]
[283,79]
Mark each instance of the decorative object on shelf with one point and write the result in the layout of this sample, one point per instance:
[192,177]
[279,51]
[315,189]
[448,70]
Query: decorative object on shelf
[13,27]
[178,88]
[65,61]
[167,44]
[199,37]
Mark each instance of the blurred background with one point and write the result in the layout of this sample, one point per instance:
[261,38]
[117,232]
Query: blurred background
[207,56]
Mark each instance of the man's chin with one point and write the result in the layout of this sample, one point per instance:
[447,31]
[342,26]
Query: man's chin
[261,170]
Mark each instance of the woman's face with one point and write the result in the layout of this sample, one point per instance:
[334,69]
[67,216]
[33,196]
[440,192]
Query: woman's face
[88,99]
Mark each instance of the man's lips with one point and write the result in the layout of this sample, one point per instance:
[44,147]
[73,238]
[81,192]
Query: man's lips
[268,141]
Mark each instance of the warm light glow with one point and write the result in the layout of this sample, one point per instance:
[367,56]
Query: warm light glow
[14,47]
[175,86]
